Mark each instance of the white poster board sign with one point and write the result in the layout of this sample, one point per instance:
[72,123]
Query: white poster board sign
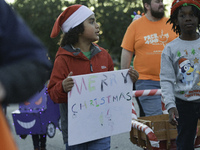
[99,106]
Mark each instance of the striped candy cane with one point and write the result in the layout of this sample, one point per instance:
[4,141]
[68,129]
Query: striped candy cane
[150,92]
[140,126]
[146,92]
[134,114]
[148,131]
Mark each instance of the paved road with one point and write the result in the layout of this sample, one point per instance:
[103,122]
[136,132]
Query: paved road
[118,142]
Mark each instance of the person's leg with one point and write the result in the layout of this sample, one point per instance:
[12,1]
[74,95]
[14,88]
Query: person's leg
[187,125]
[197,107]
[142,114]
[100,144]
[151,104]
[43,141]
[35,138]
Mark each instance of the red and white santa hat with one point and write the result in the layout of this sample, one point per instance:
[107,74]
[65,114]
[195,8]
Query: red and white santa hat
[70,18]
[183,61]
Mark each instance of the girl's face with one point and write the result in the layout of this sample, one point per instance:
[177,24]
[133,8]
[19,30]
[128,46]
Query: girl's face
[91,30]
[187,21]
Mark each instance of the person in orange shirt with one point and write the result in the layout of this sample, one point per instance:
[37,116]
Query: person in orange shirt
[146,38]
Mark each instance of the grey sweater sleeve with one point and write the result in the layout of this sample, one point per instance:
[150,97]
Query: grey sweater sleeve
[167,79]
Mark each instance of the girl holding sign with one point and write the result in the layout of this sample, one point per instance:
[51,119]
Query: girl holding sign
[78,55]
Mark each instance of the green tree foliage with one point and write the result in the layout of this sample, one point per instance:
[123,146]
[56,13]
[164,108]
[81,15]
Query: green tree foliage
[40,16]
[114,16]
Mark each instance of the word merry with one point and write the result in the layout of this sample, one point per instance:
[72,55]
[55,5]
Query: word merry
[95,82]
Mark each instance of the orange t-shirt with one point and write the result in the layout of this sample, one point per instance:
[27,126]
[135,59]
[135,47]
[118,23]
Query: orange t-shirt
[147,40]
[6,139]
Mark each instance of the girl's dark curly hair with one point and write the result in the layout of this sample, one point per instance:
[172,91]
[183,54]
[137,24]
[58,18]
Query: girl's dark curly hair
[72,36]
[174,17]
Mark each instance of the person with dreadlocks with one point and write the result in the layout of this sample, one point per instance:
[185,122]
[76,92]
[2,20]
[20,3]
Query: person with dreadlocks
[180,72]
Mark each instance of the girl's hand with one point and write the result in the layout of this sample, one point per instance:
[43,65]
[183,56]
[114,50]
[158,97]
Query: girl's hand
[133,74]
[68,83]
[173,115]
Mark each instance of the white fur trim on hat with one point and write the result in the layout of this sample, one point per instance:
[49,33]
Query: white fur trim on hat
[79,16]
[184,63]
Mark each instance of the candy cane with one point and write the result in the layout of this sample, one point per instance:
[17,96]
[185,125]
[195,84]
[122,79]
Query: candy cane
[146,92]
[140,126]
[134,114]
[150,92]
[148,131]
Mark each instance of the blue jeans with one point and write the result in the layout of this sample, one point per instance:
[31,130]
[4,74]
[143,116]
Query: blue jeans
[189,113]
[100,144]
[151,104]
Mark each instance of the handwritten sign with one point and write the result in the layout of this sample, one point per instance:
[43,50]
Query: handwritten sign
[99,106]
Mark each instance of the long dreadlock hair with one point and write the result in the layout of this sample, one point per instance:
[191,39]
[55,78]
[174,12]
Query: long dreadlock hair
[174,17]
